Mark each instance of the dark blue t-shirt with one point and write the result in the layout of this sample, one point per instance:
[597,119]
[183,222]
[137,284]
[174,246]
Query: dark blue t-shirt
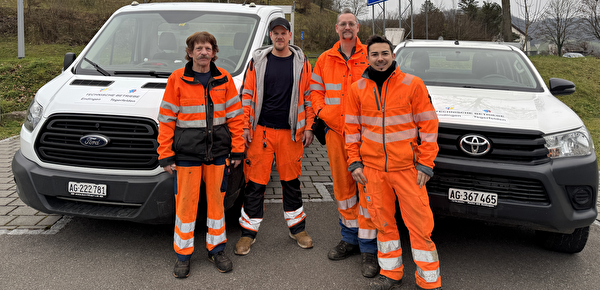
[277,97]
[203,78]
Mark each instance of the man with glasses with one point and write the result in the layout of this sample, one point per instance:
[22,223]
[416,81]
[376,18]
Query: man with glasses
[334,72]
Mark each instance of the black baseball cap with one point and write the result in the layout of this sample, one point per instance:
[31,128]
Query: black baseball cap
[279,21]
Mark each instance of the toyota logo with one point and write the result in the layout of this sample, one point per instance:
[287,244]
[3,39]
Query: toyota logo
[475,145]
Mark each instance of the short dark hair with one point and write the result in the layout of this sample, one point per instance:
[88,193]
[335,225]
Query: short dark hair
[378,39]
[201,37]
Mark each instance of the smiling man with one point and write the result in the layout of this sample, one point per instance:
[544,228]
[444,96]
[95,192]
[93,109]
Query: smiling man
[335,70]
[387,111]
[278,117]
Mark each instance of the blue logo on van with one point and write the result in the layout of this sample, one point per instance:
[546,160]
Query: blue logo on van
[95,141]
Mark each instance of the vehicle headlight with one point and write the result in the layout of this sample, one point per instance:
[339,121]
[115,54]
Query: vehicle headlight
[573,143]
[34,114]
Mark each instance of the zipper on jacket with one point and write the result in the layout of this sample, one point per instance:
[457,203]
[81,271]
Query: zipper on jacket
[376,97]
[210,114]
[383,99]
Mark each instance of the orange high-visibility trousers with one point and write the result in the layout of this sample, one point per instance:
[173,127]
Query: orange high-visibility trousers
[187,194]
[357,227]
[417,216]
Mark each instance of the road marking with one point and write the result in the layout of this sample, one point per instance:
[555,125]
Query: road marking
[64,220]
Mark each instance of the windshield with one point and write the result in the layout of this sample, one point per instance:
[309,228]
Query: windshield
[137,43]
[468,67]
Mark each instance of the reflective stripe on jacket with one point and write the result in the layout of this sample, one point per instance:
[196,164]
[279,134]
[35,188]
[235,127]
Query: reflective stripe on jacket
[301,112]
[197,123]
[331,80]
[382,129]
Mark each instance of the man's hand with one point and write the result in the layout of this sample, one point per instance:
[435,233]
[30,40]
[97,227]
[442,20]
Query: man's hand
[247,137]
[308,138]
[169,168]
[358,176]
[422,178]
[236,163]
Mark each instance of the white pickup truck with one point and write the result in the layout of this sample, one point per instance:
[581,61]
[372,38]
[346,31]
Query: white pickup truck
[88,146]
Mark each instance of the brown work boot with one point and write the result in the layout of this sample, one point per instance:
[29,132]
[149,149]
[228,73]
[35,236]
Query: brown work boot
[243,246]
[303,239]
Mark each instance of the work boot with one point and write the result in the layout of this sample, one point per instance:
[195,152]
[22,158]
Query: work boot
[385,283]
[243,246]
[303,239]
[221,261]
[182,269]
[342,251]
[419,288]
[369,266]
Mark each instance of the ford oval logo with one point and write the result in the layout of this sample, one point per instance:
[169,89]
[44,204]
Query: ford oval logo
[475,145]
[95,141]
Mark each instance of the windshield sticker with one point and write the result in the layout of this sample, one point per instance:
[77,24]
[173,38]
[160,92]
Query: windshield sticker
[105,96]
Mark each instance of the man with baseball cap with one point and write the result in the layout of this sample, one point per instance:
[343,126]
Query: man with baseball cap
[278,117]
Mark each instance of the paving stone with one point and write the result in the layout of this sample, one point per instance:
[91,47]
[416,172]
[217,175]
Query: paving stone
[310,173]
[49,220]
[6,193]
[314,168]
[4,210]
[4,220]
[320,163]
[7,186]
[8,227]
[25,220]
[28,227]
[17,201]
[24,210]
[6,200]
[321,178]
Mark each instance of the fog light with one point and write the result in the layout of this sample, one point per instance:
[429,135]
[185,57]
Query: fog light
[582,197]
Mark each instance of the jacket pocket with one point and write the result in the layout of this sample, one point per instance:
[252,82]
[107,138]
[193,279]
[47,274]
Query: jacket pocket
[191,141]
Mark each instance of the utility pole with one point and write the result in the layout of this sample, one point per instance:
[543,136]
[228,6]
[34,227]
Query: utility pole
[20,30]
[506,21]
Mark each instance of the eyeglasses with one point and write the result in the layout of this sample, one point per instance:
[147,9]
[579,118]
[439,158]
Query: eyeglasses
[343,24]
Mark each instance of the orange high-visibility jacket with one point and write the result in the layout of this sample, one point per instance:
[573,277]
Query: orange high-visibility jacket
[197,123]
[301,112]
[382,129]
[331,80]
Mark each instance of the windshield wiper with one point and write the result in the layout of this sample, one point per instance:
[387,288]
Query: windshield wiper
[158,74]
[97,67]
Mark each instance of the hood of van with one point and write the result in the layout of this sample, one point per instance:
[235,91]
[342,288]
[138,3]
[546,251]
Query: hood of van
[503,109]
[130,96]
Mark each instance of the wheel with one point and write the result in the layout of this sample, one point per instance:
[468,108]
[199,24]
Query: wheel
[565,243]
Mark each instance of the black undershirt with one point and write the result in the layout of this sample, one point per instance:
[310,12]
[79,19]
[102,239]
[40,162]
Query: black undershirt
[379,77]
[278,92]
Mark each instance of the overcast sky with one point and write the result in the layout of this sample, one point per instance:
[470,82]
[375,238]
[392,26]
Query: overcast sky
[392,5]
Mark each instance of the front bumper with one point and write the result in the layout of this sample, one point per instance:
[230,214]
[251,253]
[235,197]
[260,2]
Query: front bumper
[130,198]
[556,214]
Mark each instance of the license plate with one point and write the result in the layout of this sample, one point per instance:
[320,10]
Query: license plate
[473,197]
[87,189]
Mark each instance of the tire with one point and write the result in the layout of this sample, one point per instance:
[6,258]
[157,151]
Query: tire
[564,243]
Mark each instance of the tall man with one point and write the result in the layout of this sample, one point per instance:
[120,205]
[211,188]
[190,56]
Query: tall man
[335,70]
[278,115]
[201,126]
[386,112]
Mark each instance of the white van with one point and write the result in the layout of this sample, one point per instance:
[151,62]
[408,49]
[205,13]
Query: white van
[88,146]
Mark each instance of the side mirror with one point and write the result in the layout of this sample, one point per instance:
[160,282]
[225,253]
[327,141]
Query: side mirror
[69,59]
[561,87]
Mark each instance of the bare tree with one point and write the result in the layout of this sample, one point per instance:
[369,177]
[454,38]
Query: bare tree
[591,17]
[560,22]
[531,11]
[358,7]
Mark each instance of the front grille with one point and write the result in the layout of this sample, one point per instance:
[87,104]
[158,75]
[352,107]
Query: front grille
[509,189]
[507,145]
[132,144]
